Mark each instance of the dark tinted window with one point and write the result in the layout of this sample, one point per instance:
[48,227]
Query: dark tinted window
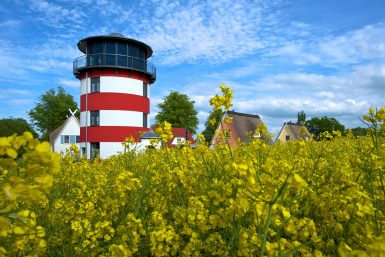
[98,47]
[94,115]
[141,54]
[90,48]
[134,51]
[122,48]
[110,48]
[95,85]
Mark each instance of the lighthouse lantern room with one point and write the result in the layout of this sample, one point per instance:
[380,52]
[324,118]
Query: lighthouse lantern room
[115,76]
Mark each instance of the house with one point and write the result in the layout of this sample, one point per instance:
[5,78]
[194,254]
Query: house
[146,139]
[292,132]
[240,130]
[65,135]
[180,136]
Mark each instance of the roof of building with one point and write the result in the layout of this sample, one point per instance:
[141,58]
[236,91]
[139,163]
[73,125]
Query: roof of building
[54,134]
[149,134]
[82,44]
[181,132]
[177,132]
[244,123]
[298,130]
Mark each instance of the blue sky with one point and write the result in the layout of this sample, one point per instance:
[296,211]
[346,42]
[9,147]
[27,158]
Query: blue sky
[280,57]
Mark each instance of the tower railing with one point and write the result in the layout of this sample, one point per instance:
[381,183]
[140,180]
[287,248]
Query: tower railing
[114,60]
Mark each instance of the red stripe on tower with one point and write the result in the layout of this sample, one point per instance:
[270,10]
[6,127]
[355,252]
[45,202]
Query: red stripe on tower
[111,133]
[115,101]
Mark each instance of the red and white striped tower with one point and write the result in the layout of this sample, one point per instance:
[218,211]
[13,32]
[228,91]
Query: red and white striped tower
[114,79]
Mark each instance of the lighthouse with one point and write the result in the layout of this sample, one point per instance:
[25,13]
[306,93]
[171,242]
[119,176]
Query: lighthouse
[115,78]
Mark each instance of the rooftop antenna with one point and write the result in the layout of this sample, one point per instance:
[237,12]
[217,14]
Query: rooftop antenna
[73,112]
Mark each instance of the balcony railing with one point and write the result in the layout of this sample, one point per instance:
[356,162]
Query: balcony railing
[114,60]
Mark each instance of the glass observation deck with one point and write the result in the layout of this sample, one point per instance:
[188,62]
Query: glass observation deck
[113,61]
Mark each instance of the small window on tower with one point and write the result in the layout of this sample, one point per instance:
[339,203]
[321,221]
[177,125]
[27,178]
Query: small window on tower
[95,85]
[287,138]
[94,118]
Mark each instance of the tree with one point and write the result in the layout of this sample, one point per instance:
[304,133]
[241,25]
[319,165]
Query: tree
[10,126]
[359,131]
[301,118]
[316,126]
[51,110]
[210,127]
[178,110]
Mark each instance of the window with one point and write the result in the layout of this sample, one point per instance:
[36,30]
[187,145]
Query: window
[94,115]
[122,54]
[145,93]
[110,53]
[141,54]
[134,51]
[110,47]
[65,139]
[90,48]
[72,139]
[95,149]
[90,54]
[98,50]
[95,85]
[144,120]
[287,138]
[227,133]
[98,47]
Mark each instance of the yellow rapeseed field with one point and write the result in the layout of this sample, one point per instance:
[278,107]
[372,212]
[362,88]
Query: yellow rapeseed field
[313,198]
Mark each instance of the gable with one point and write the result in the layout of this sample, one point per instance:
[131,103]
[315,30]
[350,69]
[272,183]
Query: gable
[71,126]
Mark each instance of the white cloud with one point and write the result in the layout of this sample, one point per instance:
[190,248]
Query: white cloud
[352,47]
[69,83]
[203,30]
[9,24]
[325,94]
[6,93]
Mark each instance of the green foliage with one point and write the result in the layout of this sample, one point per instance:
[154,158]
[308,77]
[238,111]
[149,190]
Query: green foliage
[358,131]
[210,126]
[301,118]
[10,126]
[178,110]
[317,126]
[51,110]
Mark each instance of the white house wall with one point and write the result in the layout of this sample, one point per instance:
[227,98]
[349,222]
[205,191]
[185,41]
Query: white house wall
[72,129]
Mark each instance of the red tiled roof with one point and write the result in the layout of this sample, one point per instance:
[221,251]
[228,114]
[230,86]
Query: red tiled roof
[178,132]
